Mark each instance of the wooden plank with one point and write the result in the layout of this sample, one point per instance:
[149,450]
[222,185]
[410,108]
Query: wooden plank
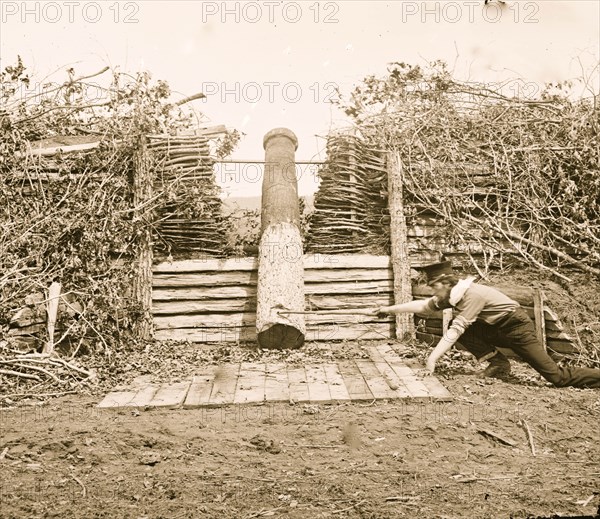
[204,321]
[560,335]
[337,388]
[314,332]
[195,307]
[388,374]
[435,387]
[211,279]
[538,311]
[349,287]
[561,346]
[277,387]
[407,375]
[251,383]
[310,261]
[144,396]
[349,274]
[208,335]
[170,395]
[214,320]
[203,293]
[200,279]
[318,386]
[117,399]
[224,385]
[341,301]
[522,295]
[298,386]
[206,264]
[377,384]
[234,292]
[313,302]
[200,389]
[355,383]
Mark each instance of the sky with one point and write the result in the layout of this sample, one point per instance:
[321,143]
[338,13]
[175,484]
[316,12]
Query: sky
[270,64]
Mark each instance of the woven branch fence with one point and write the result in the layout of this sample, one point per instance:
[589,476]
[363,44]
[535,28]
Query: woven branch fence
[184,165]
[351,212]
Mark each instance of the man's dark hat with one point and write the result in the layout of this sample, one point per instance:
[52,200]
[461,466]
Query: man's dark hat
[436,270]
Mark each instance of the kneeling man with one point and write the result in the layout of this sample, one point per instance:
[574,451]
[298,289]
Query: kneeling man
[485,318]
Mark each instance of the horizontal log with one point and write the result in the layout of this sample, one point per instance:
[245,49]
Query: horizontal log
[28,316]
[557,340]
[210,305]
[554,330]
[320,333]
[555,334]
[313,302]
[27,330]
[561,346]
[227,292]
[249,319]
[210,279]
[433,330]
[554,326]
[551,322]
[203,293]
[250,277]
[311,261]
[344,301]
[522,295]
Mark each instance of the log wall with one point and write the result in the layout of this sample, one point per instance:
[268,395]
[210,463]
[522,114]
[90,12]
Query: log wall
[214,300]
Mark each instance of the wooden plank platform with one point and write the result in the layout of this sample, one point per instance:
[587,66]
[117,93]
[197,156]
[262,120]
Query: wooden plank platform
[200,389]
[170,395]
[297,385]
[384,376]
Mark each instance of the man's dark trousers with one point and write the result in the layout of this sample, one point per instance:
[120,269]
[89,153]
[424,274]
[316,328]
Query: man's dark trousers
[517,332]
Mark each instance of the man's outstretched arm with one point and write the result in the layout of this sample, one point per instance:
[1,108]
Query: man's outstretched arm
[420,306]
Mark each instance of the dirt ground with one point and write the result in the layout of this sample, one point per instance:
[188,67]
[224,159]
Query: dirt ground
[470,458]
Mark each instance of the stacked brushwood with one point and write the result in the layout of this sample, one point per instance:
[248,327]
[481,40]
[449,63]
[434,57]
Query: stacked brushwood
[351,213]
[350,202]
[184,166]
[512,177]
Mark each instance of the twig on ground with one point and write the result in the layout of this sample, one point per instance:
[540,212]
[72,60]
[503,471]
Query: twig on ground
[403,499]
[497,437]
[529,436]
[38,395]
[563,438]
[349,507]
[40,370]
[83,489]
[262,512]
[369,404]
[308,446]
[17,374]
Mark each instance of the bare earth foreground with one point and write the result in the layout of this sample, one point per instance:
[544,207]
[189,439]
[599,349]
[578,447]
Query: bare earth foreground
[470,458]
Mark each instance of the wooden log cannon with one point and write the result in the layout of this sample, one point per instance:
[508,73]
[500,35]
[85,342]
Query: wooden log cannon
[280,289]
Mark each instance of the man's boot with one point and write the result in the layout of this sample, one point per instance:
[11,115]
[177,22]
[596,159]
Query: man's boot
[499,367]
